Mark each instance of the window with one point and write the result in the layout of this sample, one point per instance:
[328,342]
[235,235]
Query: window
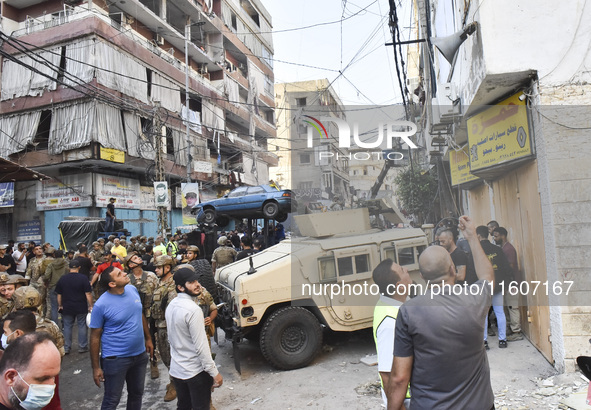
[237,192]
[362,263]
[345,266]
[305,185]
[234,24]
[328,270]
[406,256]
[301,102]
[305,158]
[268,58]
[256,190]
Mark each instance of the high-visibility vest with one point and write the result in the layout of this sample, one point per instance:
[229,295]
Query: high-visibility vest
[381,312]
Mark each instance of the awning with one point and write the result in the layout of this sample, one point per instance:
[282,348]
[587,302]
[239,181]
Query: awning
[11,171]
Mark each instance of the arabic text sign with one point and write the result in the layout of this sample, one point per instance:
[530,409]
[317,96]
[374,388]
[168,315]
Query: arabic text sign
[113,155]
[28,231]
[460,168]
[71,191]
[124,190]
[499,134]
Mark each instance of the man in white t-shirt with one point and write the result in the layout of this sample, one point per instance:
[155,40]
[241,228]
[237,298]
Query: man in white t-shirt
[393,281]
[20,258]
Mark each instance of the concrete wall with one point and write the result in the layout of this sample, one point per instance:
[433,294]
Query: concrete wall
[565,120]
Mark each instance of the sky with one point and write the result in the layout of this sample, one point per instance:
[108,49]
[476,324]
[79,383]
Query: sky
[355,46]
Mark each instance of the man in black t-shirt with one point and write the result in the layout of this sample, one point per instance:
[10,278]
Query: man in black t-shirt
[86,265]
[110,218]
[458,256]
[7,264]
[74,298]
[246,248]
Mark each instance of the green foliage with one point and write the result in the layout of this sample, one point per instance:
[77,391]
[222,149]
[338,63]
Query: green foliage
[417,190]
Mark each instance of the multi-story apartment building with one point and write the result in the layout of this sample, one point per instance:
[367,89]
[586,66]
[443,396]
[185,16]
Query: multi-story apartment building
[509,113]
[317,173]
[95,93]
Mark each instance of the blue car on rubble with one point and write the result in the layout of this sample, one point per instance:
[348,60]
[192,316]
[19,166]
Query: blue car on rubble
[262,201]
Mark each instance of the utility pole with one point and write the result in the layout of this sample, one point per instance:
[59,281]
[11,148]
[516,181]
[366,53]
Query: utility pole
[160,176]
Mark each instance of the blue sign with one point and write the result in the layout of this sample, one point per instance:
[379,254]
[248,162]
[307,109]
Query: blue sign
[28,231]
[6,194]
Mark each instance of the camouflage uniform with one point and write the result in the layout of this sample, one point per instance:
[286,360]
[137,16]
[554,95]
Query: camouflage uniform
[34,267]
[146,284]
[95,257]
[207,305]
[27,297]
[5,304]
[164,293]
[223,255]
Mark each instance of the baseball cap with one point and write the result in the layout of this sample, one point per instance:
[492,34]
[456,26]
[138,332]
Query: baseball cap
[75,263]
[184,275]
[3,247]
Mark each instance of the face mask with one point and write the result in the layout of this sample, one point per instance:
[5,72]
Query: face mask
[39,395]
[4,340]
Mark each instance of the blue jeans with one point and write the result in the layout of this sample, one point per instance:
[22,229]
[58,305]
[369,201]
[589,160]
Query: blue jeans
[109,224]
[53,298]
[120,370]
[497,304]
[82,331]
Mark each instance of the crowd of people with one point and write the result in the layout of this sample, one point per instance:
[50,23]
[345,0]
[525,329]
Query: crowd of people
[430,348]
[130,290]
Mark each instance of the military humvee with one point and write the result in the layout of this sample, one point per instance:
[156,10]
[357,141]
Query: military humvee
[286,294]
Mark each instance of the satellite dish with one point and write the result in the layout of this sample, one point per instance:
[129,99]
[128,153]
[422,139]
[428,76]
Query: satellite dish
[449,45]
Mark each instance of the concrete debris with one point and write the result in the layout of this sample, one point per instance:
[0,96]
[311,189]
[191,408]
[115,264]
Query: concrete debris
[255,400]
[369,389]
[370,360]
[548,383]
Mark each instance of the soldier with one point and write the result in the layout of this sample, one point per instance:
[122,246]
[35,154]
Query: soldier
[223,254]
[34,266]
[141,245]
[203,270]
[96,253]
[163,294]
[131,245]
[6,304]
[27,297]
[146,283]
[110,244]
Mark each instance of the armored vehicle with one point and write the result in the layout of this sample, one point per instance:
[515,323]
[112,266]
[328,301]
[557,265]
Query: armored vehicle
[286,294]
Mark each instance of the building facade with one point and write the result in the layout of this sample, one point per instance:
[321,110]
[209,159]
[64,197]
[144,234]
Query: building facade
[507,114]
[311,164]
[108,97]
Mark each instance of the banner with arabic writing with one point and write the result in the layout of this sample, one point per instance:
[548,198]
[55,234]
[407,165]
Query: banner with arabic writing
[499,134]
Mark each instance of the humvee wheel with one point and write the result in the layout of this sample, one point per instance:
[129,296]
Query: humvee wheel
[291,337]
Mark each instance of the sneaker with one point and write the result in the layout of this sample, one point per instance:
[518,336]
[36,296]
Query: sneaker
[514,337]
[502,344]
[486,345]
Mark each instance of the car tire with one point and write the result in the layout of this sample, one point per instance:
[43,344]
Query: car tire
[281,217]
[270,210]
[291,338]
[209,216]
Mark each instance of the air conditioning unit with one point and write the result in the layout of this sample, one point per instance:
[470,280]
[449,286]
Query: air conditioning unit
[159,39]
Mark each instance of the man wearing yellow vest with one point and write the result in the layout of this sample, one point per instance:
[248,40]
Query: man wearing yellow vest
[393,281]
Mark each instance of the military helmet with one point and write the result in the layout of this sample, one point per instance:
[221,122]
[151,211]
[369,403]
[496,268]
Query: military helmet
[163,260]
[129,256]
[193,248]
[26,297]
[3,279]
[183,265]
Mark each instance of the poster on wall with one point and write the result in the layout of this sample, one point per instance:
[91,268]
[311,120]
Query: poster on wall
[161,197]
[125,190]
[147,202]
[69,191]
[189,197]
[6,194]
